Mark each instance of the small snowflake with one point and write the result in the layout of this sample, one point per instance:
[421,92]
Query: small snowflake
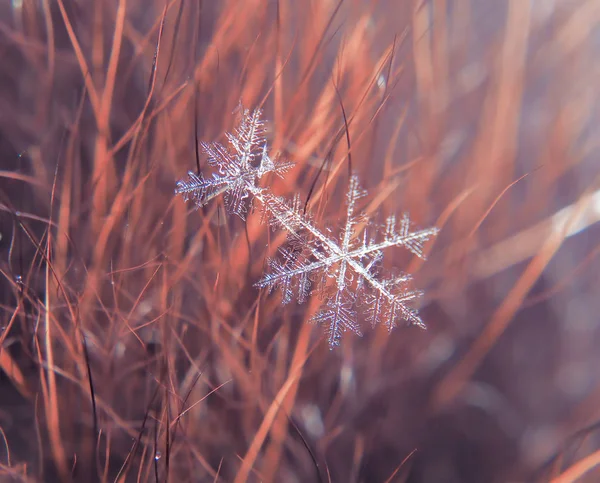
[239,168]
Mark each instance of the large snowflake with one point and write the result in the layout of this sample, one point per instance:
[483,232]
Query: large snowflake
[345,269]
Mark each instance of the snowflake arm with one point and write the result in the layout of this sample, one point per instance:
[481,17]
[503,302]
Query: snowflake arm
[391,301]
[200,189]
[339,316]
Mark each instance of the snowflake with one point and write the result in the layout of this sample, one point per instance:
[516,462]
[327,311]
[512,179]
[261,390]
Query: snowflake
[239,168]
[344,268]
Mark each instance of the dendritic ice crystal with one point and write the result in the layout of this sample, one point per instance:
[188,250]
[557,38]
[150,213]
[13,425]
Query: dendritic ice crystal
[239,168]
[344,269]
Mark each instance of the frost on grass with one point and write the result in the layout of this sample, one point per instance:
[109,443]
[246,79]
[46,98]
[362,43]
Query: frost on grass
[239,167]
[344,269]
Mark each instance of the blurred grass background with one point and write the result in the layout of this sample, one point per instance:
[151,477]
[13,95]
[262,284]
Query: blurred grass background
[133,346]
